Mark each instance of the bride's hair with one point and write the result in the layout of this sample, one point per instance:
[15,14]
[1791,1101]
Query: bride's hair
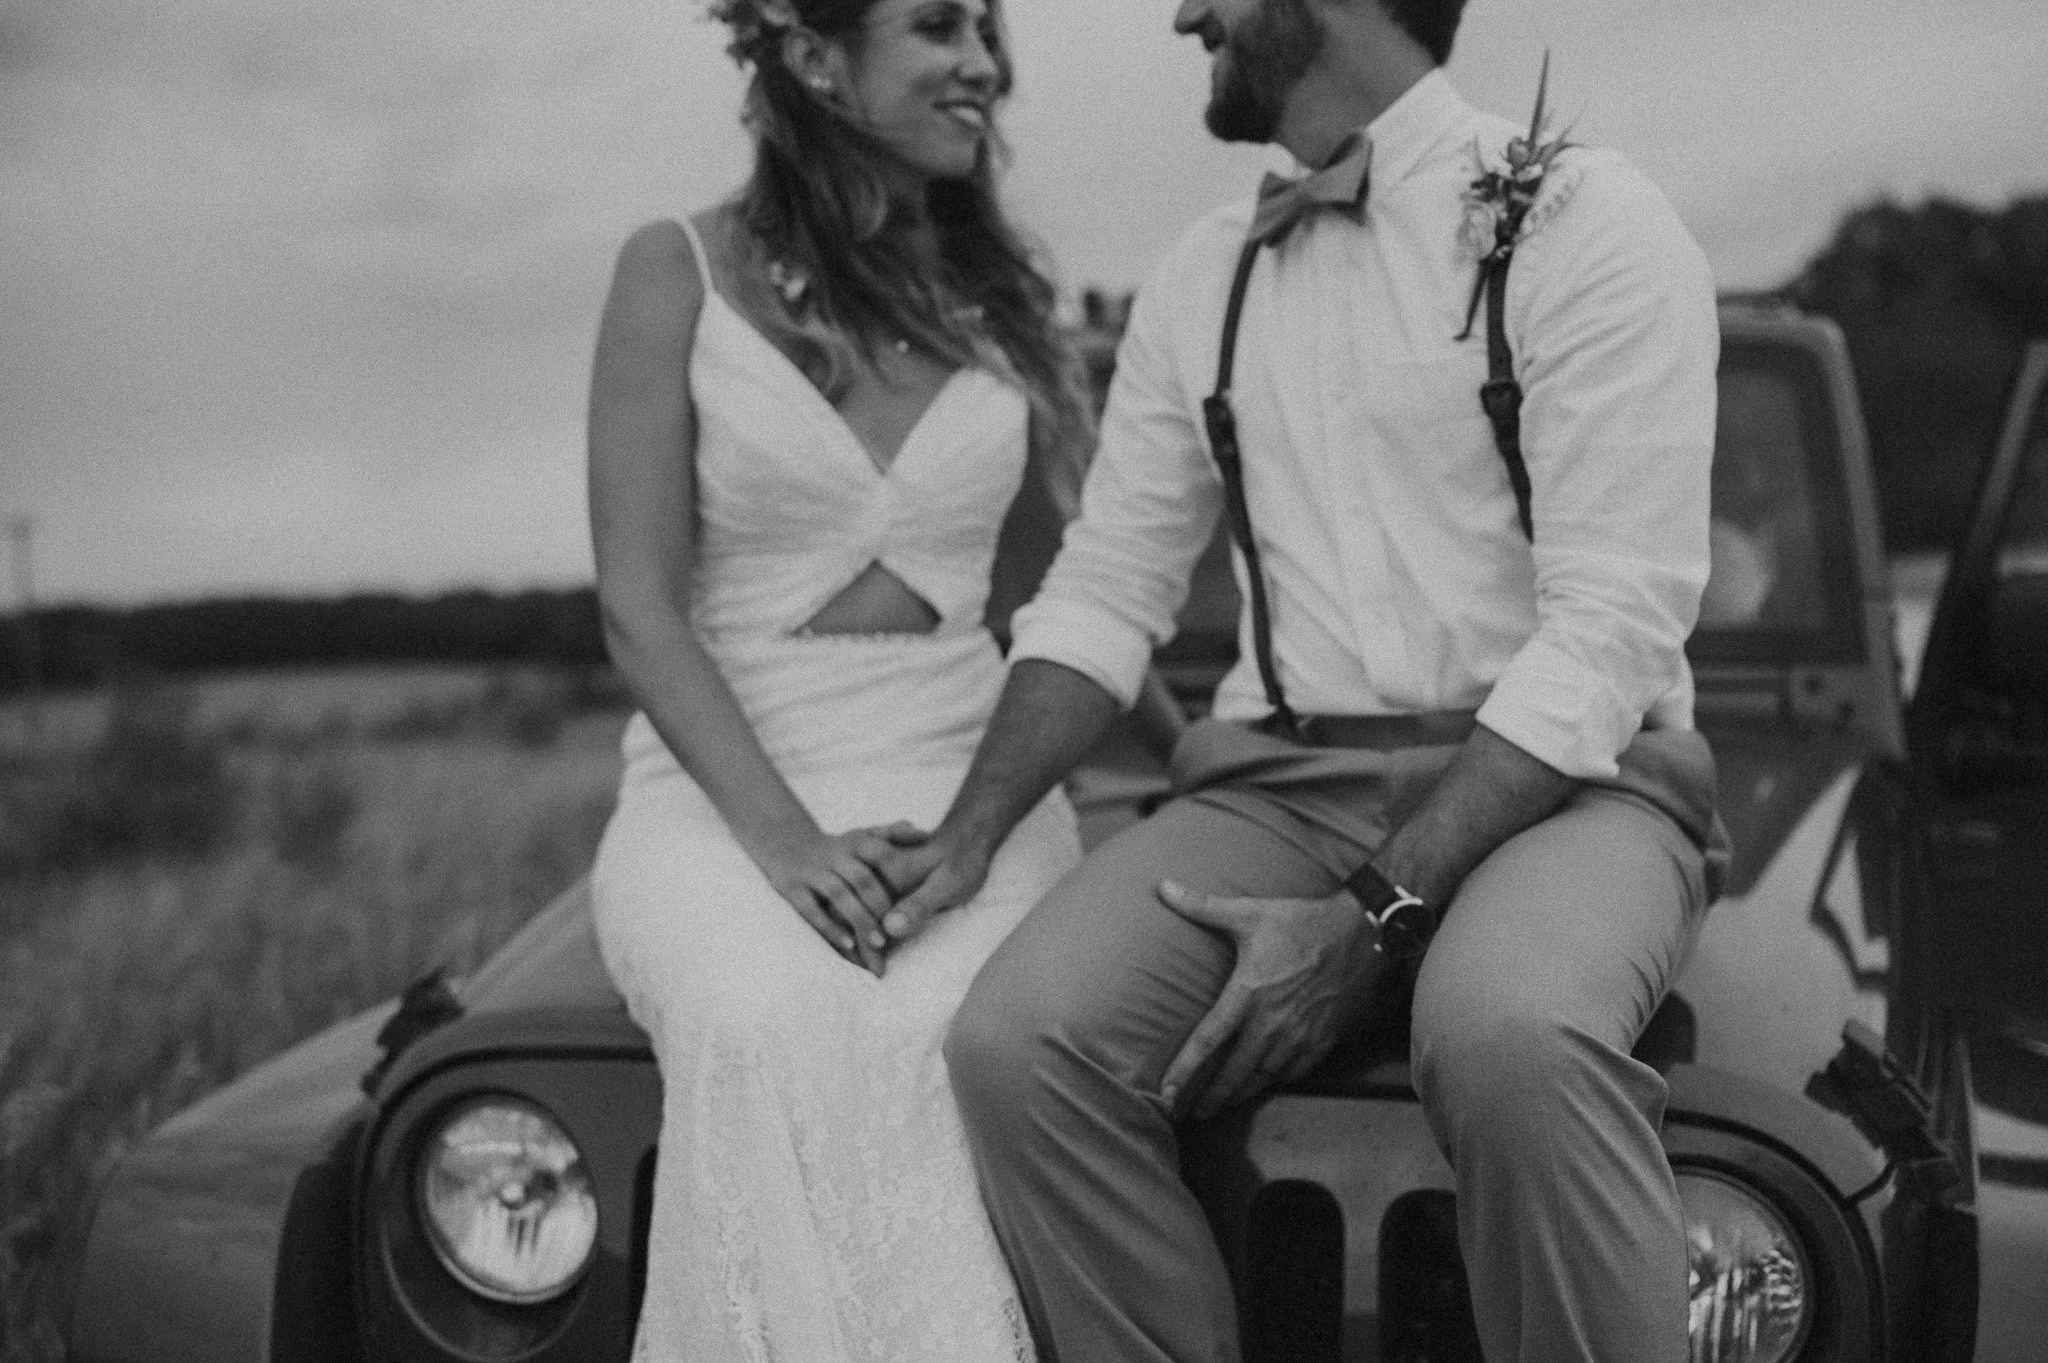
[821,205]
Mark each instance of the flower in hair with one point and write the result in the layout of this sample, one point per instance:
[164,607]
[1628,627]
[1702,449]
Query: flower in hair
[790,281]
[757,26]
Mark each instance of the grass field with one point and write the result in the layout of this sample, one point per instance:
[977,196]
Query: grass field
[191,879]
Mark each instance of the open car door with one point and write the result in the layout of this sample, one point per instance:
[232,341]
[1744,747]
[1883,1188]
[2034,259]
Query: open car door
[1978,732]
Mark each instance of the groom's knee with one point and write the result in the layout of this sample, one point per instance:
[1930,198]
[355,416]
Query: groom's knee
[1001,1046]
[1078,1013]
[1515,1071]
[986,1056]
[1493,1072]
[1022,1040]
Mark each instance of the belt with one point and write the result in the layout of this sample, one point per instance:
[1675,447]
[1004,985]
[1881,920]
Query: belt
[1430,728]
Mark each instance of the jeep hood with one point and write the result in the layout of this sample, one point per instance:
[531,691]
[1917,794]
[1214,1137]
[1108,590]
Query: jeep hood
[551,963]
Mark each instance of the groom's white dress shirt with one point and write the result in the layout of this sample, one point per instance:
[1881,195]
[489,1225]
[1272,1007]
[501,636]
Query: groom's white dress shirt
[1400,578]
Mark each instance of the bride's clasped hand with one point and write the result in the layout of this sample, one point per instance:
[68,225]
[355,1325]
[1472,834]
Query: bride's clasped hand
[834,883]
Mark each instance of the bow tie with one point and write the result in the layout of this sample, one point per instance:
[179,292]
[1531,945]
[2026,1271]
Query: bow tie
[1341,184]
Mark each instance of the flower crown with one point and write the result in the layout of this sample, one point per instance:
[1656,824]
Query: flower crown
[757,27]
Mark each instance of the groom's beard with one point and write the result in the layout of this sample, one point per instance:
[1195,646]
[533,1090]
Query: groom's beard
[1261,60]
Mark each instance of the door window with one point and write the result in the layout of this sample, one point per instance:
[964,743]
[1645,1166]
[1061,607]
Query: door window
[1766,570]
[2023,548]
[1781,588]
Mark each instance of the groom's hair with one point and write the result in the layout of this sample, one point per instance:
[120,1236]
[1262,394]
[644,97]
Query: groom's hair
[1433,23]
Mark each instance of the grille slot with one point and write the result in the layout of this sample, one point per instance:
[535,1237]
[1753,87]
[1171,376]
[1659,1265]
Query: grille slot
[1425,1298]
[1292,1296]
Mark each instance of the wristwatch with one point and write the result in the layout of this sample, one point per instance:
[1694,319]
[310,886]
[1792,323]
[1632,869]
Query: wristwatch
[1404,921]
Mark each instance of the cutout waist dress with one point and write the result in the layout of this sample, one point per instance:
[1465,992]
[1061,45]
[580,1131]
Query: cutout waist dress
[791,508]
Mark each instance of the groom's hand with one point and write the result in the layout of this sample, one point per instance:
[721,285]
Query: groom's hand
[929,879]
[1305,972]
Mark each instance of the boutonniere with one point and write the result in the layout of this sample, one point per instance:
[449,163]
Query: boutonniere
[1500,202]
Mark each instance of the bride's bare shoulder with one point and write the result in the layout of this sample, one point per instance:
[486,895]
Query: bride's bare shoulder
[657,265]
[658,247]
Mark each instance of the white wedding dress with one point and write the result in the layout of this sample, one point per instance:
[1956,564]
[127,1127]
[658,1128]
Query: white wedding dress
[814,1200]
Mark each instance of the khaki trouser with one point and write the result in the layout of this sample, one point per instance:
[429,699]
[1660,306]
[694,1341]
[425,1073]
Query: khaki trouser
[1551,959]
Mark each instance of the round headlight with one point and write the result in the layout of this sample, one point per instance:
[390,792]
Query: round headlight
[506,1201]
[1750,1286]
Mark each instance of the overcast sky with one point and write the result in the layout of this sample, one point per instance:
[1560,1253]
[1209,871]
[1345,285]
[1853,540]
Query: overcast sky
[298,295]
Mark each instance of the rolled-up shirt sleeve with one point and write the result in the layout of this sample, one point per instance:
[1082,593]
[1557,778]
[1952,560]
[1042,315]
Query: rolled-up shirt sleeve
[1616,345]
[1148,509]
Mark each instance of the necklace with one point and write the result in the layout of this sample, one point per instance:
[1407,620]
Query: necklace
[793,284]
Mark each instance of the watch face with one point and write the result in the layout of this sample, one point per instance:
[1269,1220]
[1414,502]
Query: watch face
[1406,929]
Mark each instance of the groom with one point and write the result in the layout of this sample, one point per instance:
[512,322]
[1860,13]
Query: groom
[1459,737]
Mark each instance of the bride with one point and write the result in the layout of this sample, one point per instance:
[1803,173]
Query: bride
[810,409]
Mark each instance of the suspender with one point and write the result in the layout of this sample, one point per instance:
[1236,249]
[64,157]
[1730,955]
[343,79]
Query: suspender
[1500,396]
[1221,420]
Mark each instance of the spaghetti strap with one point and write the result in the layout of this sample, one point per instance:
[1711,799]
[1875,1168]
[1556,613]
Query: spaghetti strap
[697,251]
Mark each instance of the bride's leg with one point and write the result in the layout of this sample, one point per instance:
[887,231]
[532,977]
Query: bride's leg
[925,1277]
[734,991]
[814,1198]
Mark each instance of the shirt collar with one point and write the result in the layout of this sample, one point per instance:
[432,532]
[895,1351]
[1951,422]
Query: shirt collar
[1412,126]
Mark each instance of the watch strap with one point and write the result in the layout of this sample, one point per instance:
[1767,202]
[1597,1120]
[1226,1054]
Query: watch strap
[1405,920]
[1372,889]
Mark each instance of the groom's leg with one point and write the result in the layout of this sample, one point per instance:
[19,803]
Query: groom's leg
[1552,958]
[1056,1058]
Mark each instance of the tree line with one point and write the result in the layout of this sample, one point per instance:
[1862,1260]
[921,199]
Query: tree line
[1936,300]
[87,645]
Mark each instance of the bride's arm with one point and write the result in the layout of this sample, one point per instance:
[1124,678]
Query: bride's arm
[642,471]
